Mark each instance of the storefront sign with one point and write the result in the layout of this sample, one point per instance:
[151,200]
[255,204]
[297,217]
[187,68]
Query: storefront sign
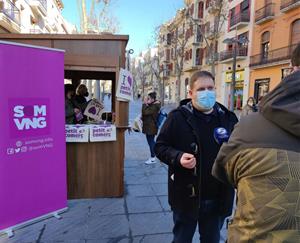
[77,133]
[102,133]
[32,143]
[94,110]
[125,85]
[239,76]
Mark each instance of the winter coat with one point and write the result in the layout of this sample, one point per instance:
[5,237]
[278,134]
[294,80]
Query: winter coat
[149,117]
[247,110]
[262,160]
[179,131]
[69,112]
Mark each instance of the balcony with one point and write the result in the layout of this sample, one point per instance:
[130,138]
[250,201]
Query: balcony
[239,21]
[265,13]
[10,16]
[36,31]
[287,5]
[227,56]
[272,57]
[39,7]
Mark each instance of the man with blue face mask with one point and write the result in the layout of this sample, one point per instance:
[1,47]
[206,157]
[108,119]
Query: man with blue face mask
[187,143]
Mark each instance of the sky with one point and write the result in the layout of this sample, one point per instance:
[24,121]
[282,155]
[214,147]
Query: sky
[137,18]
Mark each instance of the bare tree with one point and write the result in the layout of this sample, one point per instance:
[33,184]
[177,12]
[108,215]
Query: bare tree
[141,73]
[99,18]
[218,10]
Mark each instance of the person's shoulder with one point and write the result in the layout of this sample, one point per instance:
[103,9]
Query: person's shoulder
[222,110]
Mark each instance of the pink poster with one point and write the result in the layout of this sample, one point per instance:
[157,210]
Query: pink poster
[32,126]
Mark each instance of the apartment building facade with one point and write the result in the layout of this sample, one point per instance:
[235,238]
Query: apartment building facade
[201,27]
[33,16]
[236,41]
[276,32]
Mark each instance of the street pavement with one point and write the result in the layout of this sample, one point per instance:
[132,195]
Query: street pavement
[142,215]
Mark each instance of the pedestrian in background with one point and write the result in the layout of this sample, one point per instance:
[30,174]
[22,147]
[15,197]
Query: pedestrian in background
[80,101]
[187,145]
[249,108]
[70,109]
[150,110]
[262,160]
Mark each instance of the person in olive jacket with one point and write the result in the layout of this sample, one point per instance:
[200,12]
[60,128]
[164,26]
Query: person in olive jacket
[186,143]
[150,110]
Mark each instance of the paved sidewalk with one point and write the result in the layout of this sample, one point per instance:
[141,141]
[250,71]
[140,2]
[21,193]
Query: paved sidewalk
[143,215]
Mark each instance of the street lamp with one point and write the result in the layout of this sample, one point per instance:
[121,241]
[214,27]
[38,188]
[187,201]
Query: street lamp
[234,41]
[128,53]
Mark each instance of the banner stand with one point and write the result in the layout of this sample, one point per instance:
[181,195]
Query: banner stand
[10,231]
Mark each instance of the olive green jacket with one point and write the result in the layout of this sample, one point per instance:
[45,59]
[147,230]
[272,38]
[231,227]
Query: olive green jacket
[149,117]
[262,161]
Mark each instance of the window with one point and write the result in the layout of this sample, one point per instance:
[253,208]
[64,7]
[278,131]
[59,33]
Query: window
[186,87]
[200,10]
[168,55]
[265,44]
[295,32]
[243,36]
[245,6]
[199,56]
[261,88]
[199,37]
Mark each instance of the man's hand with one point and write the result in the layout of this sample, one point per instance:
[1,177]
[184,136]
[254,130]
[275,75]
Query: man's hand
[188,161]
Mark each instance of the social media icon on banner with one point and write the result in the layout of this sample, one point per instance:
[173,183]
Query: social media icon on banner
[19,143]
[10,151]
[24,149]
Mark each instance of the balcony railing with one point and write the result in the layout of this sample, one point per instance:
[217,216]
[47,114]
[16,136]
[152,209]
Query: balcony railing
[287,5]
[43,3]
[265,13]
[239,19]
[36,31]
[226,55]
[10,11]
[273,56]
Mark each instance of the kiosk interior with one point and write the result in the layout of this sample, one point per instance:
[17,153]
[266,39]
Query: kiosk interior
[95,167]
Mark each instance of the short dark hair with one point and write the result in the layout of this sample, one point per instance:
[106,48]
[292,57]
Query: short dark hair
[68,88]
[200,74]
[295,60]
[152,95]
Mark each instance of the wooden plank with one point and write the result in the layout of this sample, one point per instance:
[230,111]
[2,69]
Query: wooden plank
[96,169]
[92,61]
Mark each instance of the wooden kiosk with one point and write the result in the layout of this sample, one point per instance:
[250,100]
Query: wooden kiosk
[94,169]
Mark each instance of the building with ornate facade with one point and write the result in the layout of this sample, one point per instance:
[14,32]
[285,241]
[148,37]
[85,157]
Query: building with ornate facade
[33,16]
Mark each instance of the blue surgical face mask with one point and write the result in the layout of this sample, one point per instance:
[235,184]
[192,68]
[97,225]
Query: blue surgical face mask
[206,99]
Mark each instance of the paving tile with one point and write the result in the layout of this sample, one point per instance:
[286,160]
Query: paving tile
[160,178]
[164,203]
[105,227]
[140,190]
[160,189]
[136,179]
[107,206]
[143,204]
[150,223]
[167,238]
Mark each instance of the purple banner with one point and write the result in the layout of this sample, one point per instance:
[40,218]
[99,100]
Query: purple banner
[32,144]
